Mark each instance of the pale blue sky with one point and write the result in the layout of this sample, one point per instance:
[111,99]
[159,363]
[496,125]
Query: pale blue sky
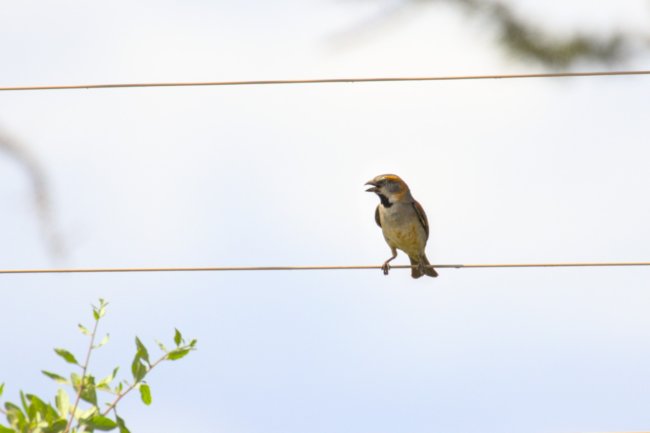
[508,171]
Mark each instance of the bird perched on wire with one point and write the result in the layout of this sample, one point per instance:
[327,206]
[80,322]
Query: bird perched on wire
[403,222]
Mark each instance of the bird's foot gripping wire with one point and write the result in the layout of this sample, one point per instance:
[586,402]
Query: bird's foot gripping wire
[386,267]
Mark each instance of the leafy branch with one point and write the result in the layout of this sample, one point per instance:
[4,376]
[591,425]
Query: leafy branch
[35,416]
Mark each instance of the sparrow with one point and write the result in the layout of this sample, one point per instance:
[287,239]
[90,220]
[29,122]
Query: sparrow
[403,222]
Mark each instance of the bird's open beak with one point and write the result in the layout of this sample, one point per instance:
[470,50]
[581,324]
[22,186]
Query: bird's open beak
[374,186]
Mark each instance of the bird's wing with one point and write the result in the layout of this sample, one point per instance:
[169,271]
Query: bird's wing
[421,216]
[377,220]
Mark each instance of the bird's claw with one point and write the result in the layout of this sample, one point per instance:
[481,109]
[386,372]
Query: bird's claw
[385,268]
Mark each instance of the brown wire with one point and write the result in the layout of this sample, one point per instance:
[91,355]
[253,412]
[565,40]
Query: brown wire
[328,80]
[314,268]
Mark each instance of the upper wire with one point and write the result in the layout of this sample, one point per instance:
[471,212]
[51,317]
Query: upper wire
[327,80]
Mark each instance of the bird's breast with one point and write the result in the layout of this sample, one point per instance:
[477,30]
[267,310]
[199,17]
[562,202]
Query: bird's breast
[402,228]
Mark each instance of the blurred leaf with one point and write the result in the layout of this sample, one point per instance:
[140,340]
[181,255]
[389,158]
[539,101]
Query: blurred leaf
[177,354]
[104,341]
[57,426]
[178,338]
[105,382]
[99,312]
[88,391]
[41,412]
[55,377]
[15,415]
[193,343]
[4,429]
[138,369]
[23,402]
[100,422]
[84,330]
[86,414]
[2,388]
[121,425]
[76,381]
[35,407]
[162,346]
[62,402]
[145,393]
[51,414]
[38,406]
[87,386]
[102,307]
[142,351]
[67,356]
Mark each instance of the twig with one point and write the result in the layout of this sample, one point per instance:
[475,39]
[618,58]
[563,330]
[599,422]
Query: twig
[83,377]
[132,387]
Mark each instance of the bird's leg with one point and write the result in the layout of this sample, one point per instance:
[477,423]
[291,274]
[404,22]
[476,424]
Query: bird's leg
[386,267]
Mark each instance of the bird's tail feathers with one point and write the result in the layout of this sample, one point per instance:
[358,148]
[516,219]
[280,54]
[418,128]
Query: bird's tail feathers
[422,267]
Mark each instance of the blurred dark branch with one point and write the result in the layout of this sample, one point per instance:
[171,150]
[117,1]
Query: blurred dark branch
[41,195]
[520,37]
[530,42]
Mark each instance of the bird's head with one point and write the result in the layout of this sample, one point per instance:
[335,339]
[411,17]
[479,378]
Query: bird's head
[389,187]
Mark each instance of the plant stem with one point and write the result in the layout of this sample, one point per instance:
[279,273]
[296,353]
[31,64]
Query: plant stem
[132,387]
[83,376]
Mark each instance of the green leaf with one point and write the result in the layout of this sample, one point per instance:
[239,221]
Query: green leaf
[145,393]
[178,338]
[103,384]
[100,422]
[62,402]
[138,369]
[57,426]
[193,343]
[23,402]
[84,330]
[87,414]
[89,392]
[142,351]
[67,356]
[121,425]
[76,381]
[87,386]
[103,342]
[177,354]
[15,416]
[98,312]
[51,414]
[2,388]
[36,407]
[40,413]
[57,378]
[162,346]
[102,307]
[4,429]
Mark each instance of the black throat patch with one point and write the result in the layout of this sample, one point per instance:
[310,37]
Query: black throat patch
[384,200]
